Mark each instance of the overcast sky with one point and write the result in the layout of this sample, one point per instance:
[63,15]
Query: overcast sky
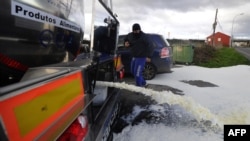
[185,19]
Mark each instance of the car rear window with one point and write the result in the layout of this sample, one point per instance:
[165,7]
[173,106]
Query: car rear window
[159,40]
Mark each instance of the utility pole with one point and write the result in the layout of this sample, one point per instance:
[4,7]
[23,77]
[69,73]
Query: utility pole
[214,26]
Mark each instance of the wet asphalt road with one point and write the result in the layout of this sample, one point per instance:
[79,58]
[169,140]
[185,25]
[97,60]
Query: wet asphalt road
[245,51]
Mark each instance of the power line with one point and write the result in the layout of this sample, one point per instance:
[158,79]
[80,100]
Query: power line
[220,25]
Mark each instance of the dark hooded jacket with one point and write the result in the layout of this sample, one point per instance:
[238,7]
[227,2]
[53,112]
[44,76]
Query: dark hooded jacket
[140,45]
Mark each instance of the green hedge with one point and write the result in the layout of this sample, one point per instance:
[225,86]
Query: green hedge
[214,58]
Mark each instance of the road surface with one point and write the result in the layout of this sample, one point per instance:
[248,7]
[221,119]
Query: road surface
[245,51]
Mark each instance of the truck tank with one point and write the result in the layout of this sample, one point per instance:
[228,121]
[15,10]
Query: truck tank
[37,33]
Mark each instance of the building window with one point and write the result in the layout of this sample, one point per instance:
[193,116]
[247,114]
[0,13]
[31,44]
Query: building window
[209,39]
[219,39]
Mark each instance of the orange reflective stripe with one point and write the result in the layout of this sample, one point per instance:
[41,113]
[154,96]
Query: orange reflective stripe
[30,114]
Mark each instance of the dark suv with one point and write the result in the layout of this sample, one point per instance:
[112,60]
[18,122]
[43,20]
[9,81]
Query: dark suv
[161,61]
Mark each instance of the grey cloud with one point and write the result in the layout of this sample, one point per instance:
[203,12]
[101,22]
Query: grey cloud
[169,15]
[179,5]
[241,26]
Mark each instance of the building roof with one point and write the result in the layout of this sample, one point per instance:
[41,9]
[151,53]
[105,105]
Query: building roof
[218,33]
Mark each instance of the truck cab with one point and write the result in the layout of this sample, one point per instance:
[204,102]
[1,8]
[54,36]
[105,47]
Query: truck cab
[49,88]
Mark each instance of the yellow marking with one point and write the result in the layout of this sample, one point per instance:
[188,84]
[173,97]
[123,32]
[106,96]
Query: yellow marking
[32,113]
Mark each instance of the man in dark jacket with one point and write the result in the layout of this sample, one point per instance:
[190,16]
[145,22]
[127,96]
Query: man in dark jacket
[141,51]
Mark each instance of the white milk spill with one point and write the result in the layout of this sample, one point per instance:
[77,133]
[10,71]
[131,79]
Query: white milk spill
[205,131]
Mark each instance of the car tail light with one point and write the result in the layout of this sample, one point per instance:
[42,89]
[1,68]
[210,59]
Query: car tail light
[164,52]
[121,73]
[77,131]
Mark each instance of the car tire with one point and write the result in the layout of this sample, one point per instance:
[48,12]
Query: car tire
[149,71]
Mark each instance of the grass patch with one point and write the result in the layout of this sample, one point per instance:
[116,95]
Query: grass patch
[222,57]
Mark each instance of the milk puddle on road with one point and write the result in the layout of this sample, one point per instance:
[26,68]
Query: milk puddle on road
[189,120]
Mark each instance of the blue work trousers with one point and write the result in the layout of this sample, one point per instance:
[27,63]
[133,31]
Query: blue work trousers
[137,66]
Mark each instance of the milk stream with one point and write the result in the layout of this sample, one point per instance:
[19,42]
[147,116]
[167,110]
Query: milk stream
[187,103]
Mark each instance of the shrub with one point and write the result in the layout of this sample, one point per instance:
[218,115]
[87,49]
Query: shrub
[203,54]
[222,57]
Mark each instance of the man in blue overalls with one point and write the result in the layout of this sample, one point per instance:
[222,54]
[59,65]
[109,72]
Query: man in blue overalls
[141,51]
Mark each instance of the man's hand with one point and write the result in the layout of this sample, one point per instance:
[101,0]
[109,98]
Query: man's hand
[148,59]
[126,44]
